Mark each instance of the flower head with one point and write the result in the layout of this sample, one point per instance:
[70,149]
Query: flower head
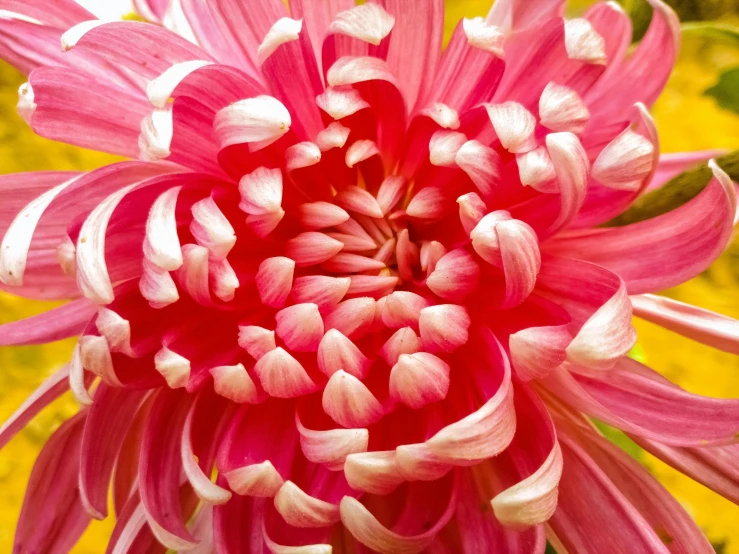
[363,279]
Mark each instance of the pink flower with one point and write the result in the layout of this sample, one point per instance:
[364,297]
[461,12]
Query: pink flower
[363,278]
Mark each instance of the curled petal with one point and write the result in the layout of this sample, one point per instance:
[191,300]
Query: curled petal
[444,327]
[537,351]
[514,125]
[419,379]
[331,447]
[625,162]
[274,280]
[282,375]
[336,352]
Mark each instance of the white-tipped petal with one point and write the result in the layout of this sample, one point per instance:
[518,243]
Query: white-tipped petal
[282,376]
[333,136]
[331,447]
[402,309]
[358,200]
[368,22]
[419,379]
[155,140]
[336,352]
[536,170]
[72,36]
[257,341]
[320,215]
[233,382]
[322,290]
[26,106]
[353,318]
[162,245]
[481,164]
[300,326]
[349,402]
[174,368]
[157,286]
[260,480]
[403,341]
[444,146]
[223,280]
[471,210]
[283,31]
[303,154]
[390,193]
[484,36]
[262,120]
[274,281]
[341,103]
[455,275]
[299,509]
[160,90]
[212,229]
[625,162]
[95,357]
[444,327]
[311,248]
[373,472]
[562,109]
[444,116]
[360,151]
[261,191]
[583,43]
[514,125]
[116,330]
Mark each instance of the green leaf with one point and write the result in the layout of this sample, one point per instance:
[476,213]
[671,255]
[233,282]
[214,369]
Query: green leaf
[726,91]
[620,439]
[676,192]
[713,30]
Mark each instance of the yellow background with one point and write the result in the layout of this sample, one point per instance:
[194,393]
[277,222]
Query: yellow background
[687,120]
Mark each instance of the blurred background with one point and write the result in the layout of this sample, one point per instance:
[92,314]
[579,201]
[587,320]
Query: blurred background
[699,110]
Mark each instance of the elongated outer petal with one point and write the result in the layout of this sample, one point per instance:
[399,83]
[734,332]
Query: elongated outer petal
[282,375]
[695,323]
[330,447]
[349,402]
[101,441]
[536,351]
[274,280]
[53,483]
[17,239]
[262,120]
[534,499]
[162,245]
[444,327]
[635,399]
[670,248]
[373,472]
[45,394]
[60,323]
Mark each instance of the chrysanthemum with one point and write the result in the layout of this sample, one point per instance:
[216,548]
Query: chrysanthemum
[361,282]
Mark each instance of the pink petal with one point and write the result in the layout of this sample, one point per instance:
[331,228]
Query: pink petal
[60,323]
